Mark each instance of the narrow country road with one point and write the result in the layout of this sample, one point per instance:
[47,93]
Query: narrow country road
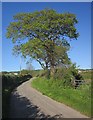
[26,102]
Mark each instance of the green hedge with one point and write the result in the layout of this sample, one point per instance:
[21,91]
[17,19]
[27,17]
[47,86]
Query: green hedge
[9,82]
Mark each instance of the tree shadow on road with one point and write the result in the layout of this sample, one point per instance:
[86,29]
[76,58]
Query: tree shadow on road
[21,107]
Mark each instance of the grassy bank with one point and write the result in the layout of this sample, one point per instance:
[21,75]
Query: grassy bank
[9,82]
[79,99]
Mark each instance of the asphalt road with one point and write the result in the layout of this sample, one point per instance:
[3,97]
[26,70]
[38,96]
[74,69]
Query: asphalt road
[26,102]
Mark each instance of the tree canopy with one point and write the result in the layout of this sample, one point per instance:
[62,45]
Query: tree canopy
[43,35]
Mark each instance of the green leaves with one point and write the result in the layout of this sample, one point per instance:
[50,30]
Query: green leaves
[38,35]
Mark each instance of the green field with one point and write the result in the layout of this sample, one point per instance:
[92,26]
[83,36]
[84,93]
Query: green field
[86,75]
[79,99]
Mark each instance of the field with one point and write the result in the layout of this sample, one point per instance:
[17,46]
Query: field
[86,75]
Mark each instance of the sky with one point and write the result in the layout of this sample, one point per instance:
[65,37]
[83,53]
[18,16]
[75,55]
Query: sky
[80,52]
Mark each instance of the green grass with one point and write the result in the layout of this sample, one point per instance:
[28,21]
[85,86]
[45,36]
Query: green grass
[86,75]
[79,99]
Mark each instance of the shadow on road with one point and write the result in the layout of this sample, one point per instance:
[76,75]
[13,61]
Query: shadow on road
[21,107]
[9,83]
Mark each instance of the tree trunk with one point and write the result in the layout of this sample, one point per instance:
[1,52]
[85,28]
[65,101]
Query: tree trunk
[52,71]
[47,73]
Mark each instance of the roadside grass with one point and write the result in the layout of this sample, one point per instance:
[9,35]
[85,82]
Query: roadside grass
[79,99]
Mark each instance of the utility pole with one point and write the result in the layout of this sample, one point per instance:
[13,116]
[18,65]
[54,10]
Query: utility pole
[20,64]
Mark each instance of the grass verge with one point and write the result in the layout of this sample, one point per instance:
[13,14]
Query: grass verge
[9,83]
[79,99]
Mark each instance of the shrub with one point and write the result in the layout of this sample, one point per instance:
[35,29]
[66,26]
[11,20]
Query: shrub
[68,75]
[23,72]
[65,75]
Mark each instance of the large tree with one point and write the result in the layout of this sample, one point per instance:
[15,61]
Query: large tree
[43,36]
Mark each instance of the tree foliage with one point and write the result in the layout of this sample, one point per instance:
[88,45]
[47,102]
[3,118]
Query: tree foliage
[43,35]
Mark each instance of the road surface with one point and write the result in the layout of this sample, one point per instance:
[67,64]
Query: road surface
[26,102]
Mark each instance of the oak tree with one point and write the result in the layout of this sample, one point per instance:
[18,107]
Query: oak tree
[43,35]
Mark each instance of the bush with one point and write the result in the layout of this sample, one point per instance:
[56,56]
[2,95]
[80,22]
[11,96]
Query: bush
[77,75]
[65,75]
[23,72]
[68,75]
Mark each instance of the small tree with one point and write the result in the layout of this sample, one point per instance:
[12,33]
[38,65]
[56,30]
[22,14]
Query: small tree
[45,34]
[29,66]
